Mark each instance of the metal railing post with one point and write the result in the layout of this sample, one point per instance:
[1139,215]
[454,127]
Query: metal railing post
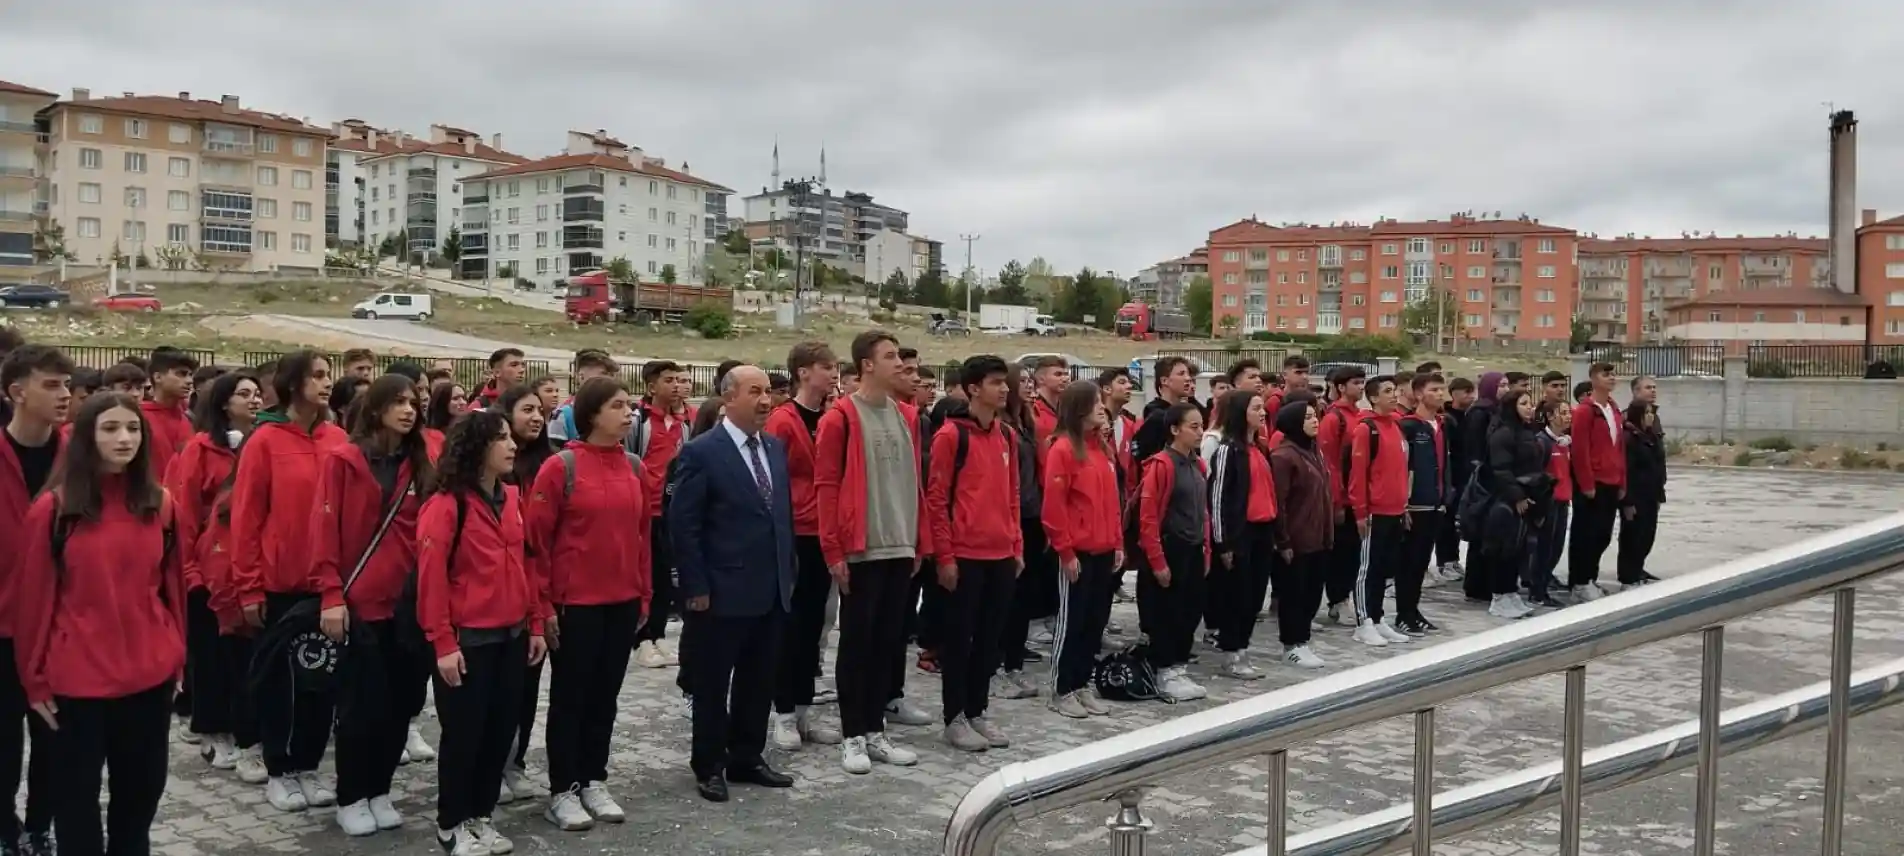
[1425,782]
[1573,745]
[1711,682]
[1128,826]
[1278,836]
[1838,720]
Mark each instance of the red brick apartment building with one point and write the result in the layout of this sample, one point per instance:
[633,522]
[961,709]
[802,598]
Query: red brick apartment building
[1708,289]
[1881,276]
[1513,280]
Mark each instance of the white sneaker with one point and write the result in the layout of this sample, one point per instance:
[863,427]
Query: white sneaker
[1452,572]
[1179,687]
[785,733]
[648,656]
[186,734]
[880,748]
[491,840]
[1042,637]
[1303,657]
[566,812]
[601,804]
[1093,705]
[853,757]
[1508,606]
[404,759]
[1368,635]
[519,782]
[1588,592]
[283,794]
[418,748]
[505,794]
[1389,632]
[960,735]
[1070,705]
[461,841]
[224,752]
[251,768]
[994,737]
[315,794]
[385,813]
[1431,579]
[904,712]
[811,730]
[1237,665]
[1341,617]
[356,819]
[1014,685]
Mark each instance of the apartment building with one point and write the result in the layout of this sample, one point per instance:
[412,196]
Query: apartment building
[1512,280]
[135,174]
[832,228]
[417,189]
[600,199]
[1163,283]
[346,188]
[23,185]
[1645,289]
[1881,276]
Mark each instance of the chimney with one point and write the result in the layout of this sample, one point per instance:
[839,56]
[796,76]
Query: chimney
[1869,217]
[1844,201]
[81,93]
[370,136]
[184,95]
[495,141]
[469,145]
[229,104]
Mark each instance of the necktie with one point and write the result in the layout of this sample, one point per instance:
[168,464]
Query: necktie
[760,470]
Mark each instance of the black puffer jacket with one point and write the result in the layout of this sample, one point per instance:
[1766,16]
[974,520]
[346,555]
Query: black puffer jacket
[1645,463]
[1517,465]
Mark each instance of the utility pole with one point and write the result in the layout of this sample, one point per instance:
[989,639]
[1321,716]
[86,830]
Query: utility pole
[969,286]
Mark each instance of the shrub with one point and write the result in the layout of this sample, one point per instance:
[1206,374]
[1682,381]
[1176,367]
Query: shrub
[1773,444]
[1674,448]
[1743,458]
[712,322]
[1852,459]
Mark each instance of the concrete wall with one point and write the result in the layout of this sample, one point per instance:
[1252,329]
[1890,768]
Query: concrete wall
[1736,408]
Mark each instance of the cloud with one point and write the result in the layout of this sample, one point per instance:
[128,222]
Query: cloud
[1113,133]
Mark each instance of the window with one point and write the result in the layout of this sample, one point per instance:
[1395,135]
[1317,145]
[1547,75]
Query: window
[1544,321]
[670,245]
[268,176]
[373,218]
[671,218]
[654,214]
[1894,242]
[1358,254]
[1389,297]
[542,186]
[1388,321]
[1282,279]
[1357,277]
[1302,255]
[268,208]
[178,234]
[1229,300]
[301,211]
[92,124]
[542,265]
[1232,256]
[268,144]
[542,240]
[376,194]
[651,266]
[1391,272]
[1895,298]
[515,188]
[1472,320]
[1476,271]
[1282,300]
[267,240]
[91,159]
[1474,295]
[1282,255]
[1715,273]
[301,179]
[1357,323]
[135,162]
[1798,316]
[1758,317]
[1302,300]
[1477,245]
[136,128]
[515,242]
[1229,278]
[1357,300]
[133,232]
[135,197]
[1302,278]
[1712,316]
[1447,247]
[89,226]
[1545,245]
[1389,249]
[301,147]
[653,241]
[1545,295]
[654,187]
[1418,245]
[178,200]
[178,167]
[1894,270]
[542,213]
[89,194]
[300,243]
[671,189]
[1544,271]
[373,170]
[515,216]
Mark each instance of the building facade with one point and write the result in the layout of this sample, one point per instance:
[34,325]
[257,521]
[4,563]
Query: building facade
[1510,282]
[1630,286]
[152,175]
[832,228]
[599,200]
[1880,249]
[23,174]
[417,190]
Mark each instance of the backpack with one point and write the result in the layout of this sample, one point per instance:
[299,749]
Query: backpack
[640,434]
[567,457]
[1348,447]
[964,449]
[1126,676]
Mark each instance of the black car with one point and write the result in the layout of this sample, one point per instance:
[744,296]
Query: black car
[34,296]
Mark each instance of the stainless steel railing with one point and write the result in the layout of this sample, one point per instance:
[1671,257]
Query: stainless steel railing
[1416,684]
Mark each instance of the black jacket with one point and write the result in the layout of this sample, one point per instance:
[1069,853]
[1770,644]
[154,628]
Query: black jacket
[1517,466]
[1476,426]
[1230,492]
[1645,466]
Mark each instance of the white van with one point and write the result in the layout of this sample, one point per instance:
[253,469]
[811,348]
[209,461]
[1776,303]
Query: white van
[394,304]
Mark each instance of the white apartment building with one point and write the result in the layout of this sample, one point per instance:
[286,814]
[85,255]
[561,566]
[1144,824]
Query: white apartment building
[23,185]
[598,200]
[241,189]
[416,190]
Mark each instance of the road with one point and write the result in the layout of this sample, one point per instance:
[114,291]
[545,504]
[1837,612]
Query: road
[409,337]
[1769,802]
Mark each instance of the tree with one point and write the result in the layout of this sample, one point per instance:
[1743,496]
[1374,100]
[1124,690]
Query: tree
[142,261]
[387,249]
[49,243]
[1011,286]
[621,269]
[736,242]
[1581,334]
[897,289]
[1200,300]
[725,268]
[930,290]
[506,270]
[1436,317]
[1228,323]
[173,258]
[452,251]
[820,275]
[667,274]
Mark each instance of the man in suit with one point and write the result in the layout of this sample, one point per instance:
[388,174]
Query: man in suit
[731,518]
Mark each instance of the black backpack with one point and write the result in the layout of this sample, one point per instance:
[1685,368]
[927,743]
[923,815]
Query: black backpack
[1126,676]
[1348,447]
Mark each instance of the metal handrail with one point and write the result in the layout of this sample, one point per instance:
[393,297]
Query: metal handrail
[1417,683]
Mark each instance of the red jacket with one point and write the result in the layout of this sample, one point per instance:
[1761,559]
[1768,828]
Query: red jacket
[488,394]
[194,480]
[666,433]
[1159,479]
[271,508]
[1044,420]
[171,428]
[1599,455]
[1380,487]
[1083,512]
[589,546]
[113,622]
[981,522]
[1332,439]
[489,589]
[433,443]
[1560,466]
[1125,463]
[14,505]
[839,481]
[786,425]
[350,506]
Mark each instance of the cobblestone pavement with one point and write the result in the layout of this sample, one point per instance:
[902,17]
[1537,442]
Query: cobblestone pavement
[1769,803]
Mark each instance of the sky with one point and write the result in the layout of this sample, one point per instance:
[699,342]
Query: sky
[1108,133]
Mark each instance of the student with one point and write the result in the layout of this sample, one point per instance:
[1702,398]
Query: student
[1333,442]
[33,379]
[1454,416]
[85,382]
[1476,424]
[359,363]
[1581,391]
[125,378]
[927,388]
[1213,431]
[506,369]
[345,393]
[1517,468]
[523,408]
[363,542]
[589,363]
[1599,481]
[660,428]
[708,414]
[1556,418]
[972,502]
[868,457]
[1302,531]
[1173,531]
[1553,387]
[100,606]
[485,628]
[1378,500]
[1037,592]
[1431,494]
[548,393]
[276,479]
[1115,385]
[166,412]
[795,423]
[227,410]
[1082,517]
[1242,530]
[446,402]
[268,393]
[1295,376]
[1645,492]
[588,519]
[1404,392]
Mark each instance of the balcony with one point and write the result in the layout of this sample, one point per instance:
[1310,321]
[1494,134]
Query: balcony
[8,126]
[229,149]
[1329,261]
[226,215]
[1328,322]
[582,214]
[1508,253]
[25,173]
[476,200]
[588,187]
[475,223]
[581,238]
[475,244]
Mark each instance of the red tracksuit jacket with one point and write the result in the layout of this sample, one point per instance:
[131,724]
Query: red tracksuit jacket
[350,506]
[1158,481]
[839,480]
[194,480]
[1380,488]
[1044,420]
[1599,455]
[489,589]
[1082,511]
[271,508]
[112,623]
[981,522]
[1332,439]
[15,502]
[786,425]
[1560,466]
[590,546]
[171,429]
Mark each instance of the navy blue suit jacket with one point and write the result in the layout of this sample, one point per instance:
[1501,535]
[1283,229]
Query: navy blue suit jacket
[728,544]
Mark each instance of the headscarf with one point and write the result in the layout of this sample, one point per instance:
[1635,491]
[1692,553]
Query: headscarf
[1490,388]
[1289,421]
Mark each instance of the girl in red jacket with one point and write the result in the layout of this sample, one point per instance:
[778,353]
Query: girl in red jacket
[1173,525]
[363,544]
[478,608]
[196,479]
[100,640]
[588,528]
[271,495]
[1082,520]
[522,406]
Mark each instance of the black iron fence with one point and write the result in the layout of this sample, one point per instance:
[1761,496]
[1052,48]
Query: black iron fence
[101,357]
[470,372]
[1270,358]
[1660,360]
[631,376]
[1824,361]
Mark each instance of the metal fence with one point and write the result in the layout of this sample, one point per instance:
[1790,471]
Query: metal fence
[1834,361]
[102,357]
[470,372]
[1270,357]
[1660,360]
[631,376]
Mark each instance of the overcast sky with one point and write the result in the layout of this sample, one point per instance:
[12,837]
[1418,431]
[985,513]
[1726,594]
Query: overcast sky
[1113,133]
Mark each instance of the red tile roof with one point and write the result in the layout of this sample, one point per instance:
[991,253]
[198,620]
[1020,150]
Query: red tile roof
[561,163]
[1773,244]
[1886,225]
[196,110]
[1250,231]
[1794,296]
[413,146]
[23,89]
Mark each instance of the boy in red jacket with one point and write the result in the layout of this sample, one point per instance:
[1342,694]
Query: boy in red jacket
[1332,442]
[1599,481]
[1378,498]
[165,412]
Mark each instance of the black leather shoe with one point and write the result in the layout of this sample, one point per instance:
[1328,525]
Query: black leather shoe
[761,775]
[713,788]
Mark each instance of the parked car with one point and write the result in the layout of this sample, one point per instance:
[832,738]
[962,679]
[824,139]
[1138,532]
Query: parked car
[944,326]
[394,304]
[34,296]
[128,303]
